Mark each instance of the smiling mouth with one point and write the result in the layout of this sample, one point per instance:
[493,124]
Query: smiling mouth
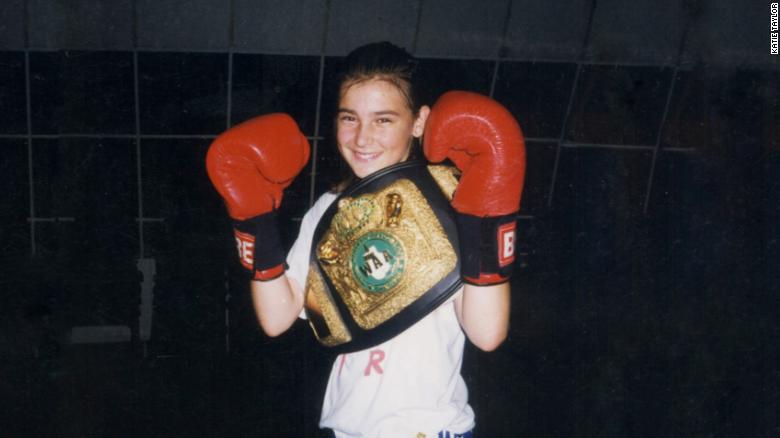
[364,157]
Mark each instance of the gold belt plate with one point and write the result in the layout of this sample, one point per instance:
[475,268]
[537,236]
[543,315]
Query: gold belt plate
[382,252]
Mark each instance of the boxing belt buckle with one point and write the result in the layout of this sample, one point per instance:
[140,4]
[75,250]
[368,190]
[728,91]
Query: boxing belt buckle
[384,255]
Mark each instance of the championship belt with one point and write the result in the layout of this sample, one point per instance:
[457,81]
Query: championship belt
[383,256]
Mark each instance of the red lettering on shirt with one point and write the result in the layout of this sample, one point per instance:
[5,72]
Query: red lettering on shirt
[374,359]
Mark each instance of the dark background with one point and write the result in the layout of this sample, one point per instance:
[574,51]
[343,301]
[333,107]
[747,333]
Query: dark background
[644,301]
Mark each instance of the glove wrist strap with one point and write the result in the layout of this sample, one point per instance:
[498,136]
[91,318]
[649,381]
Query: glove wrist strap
[260,248]
[487,248]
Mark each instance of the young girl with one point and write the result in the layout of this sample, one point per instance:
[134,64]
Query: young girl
[410,385]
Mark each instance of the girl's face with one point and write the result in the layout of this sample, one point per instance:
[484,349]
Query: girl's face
[375,126]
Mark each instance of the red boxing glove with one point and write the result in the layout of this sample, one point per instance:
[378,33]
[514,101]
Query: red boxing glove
[250,165]
[485,142]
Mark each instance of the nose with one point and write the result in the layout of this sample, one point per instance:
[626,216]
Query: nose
[363,137]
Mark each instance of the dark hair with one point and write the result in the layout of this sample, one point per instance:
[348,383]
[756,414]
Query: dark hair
[385,61]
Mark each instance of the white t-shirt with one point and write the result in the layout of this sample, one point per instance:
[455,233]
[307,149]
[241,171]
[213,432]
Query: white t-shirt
[407,385]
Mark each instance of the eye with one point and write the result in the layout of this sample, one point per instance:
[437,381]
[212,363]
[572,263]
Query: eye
[346,118]
[384,120]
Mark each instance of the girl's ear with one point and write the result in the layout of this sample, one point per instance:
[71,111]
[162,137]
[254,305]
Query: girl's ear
[419,123]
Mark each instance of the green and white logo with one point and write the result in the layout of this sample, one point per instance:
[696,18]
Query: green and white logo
[378,261]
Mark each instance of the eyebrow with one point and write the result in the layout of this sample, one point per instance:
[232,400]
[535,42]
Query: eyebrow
[376,113]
